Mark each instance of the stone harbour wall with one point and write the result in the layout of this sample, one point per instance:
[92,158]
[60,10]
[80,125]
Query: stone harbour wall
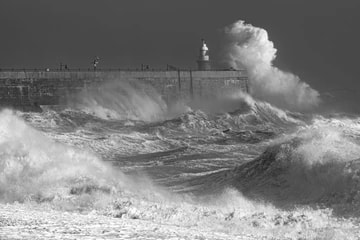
[29,89]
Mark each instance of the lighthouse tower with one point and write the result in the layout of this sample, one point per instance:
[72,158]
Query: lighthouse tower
[204,61]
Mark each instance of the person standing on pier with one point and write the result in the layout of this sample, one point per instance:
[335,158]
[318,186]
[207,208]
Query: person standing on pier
[96,62]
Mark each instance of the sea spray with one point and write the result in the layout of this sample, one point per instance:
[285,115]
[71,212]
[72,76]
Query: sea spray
[248,46]
[121,99]
[33,166]
[36,168]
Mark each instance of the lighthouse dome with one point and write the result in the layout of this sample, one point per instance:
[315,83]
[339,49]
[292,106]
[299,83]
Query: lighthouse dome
[204,47]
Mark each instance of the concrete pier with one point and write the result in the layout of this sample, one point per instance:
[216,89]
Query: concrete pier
[29,89]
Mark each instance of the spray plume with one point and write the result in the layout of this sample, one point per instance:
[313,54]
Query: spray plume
[248,46]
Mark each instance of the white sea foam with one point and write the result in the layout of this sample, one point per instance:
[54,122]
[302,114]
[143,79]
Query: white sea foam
[248,46]
[38,169]
[33,166]
[121,99]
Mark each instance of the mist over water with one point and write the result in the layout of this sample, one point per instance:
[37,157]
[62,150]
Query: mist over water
[248,46]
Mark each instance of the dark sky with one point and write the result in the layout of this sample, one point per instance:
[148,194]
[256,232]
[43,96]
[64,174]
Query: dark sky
[318,40]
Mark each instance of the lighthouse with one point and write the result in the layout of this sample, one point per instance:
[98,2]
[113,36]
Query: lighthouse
[204,60]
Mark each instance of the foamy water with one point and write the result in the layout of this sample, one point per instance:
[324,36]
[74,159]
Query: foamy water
[255,172]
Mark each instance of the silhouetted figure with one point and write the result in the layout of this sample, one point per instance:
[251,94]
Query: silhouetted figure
[96,62]
[145,67]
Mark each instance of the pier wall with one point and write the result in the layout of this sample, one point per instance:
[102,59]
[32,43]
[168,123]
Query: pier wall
[25,89]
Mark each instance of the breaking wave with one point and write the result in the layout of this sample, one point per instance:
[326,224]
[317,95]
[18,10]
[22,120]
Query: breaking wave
[249,114]
[36,169]
[294,175]
[121,100]
[33,166]
[317,165]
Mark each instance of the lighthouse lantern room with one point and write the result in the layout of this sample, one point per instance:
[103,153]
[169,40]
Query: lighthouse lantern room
[204,60]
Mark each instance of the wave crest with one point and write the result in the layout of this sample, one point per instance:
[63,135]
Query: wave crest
[319,166]
[34,167]
[121,99]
